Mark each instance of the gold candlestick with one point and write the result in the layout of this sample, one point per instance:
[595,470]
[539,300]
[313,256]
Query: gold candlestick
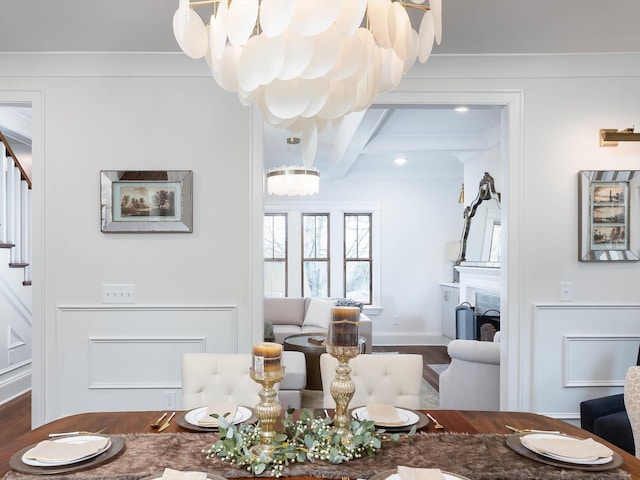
[342,343]
[267,371]
[268,409]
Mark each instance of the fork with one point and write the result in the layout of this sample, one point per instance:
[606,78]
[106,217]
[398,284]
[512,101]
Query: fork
[156,424]
[436,424]
[529,430]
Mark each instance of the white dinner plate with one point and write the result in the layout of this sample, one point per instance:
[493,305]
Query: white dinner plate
[197,414]
[73,439]
[577,461]
[407,416]
[447,476]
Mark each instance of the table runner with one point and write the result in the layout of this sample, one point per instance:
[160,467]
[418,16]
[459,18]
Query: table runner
[479,457]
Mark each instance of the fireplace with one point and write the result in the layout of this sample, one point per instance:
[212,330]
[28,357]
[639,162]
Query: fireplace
[480,322]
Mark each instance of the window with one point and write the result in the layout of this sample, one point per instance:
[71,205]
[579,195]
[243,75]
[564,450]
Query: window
[315,255]
[327,251]
[275,255]
[357,257]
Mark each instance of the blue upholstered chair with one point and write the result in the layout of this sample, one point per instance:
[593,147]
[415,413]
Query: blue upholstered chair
[607,418]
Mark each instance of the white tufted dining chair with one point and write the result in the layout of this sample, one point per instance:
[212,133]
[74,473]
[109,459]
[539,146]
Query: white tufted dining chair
[632,403]
[391,379]
[217,377]
[224,377]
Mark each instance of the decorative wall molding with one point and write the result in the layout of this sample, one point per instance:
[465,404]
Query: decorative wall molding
[579,348]
[578,352]
[155,350]
[14,381]
[128,357]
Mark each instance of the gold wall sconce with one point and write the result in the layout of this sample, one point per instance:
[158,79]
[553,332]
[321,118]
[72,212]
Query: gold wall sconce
[611,137]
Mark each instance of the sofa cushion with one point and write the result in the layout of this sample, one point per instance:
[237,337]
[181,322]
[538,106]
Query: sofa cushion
[319,312]
[281,332]
[284,311]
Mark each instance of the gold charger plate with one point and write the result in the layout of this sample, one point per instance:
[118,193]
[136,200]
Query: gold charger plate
[181,420]
[389,473]
[513,442]
[116,448]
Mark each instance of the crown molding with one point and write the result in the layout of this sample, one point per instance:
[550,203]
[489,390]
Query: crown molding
[176,64]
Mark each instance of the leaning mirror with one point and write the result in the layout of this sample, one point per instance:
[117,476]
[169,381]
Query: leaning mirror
[480,244]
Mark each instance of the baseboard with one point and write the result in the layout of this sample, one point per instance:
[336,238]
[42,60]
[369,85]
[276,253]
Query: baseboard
[14,381]
[409,339]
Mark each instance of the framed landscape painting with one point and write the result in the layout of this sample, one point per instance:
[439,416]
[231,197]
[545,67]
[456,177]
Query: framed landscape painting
[606,215]
[147,201]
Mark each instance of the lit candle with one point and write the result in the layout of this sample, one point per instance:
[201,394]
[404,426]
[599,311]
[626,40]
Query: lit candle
[266,356]
[343,329]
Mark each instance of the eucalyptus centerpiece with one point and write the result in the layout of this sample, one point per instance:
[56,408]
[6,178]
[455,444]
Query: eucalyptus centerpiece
[311,437]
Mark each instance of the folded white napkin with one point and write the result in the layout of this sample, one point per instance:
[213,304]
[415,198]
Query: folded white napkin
[409,473]
[587,449]
[221,409]
[171,474]
[383,414]
[56,451]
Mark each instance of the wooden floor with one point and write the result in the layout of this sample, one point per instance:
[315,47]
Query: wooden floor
[16,418]
[16,414]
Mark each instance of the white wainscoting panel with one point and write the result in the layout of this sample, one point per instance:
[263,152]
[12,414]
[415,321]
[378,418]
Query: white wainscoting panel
[128,357]
[581,352]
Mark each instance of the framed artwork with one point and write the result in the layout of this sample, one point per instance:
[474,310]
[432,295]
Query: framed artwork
[607,213]
[145,201]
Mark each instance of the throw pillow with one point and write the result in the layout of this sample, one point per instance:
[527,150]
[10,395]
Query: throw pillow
[319,312]
[348,302]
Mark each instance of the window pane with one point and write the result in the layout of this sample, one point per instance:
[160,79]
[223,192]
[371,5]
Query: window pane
[275,282]
[358,281]
[275,236]
[315,236]
[275,255]
[357,232]
[315,281]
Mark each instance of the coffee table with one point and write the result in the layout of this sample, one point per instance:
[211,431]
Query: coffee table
[312,352]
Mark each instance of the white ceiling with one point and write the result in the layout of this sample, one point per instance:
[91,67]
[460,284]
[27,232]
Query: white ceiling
[433,140]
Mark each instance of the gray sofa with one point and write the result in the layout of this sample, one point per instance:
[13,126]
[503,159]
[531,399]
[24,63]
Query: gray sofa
[288,314]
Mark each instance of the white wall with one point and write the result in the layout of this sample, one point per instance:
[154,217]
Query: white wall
[107,123]
[418,217]
[96,123]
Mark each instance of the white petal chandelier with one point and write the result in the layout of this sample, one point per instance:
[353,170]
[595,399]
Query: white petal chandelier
[305,63]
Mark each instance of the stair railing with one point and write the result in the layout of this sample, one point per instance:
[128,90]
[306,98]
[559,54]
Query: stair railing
[15,209]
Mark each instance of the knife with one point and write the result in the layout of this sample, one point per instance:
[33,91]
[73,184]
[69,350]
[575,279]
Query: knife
[165,425]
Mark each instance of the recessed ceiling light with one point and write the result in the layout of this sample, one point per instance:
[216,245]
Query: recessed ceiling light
[461,109]
[400,161]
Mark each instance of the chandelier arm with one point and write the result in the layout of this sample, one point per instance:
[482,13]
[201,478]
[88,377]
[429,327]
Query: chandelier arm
[424,8]
[203,2]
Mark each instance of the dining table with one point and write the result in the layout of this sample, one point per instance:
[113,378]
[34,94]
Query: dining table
[471,442]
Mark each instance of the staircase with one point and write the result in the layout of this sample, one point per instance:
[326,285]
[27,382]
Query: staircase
[15,275]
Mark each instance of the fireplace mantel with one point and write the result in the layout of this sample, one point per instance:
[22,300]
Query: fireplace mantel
[478,280]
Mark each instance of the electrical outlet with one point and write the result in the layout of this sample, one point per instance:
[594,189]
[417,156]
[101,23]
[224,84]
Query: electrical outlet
[118,294]
[169,400]
[566,291]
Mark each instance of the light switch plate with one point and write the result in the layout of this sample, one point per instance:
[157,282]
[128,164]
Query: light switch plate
[118,294]
[566,291]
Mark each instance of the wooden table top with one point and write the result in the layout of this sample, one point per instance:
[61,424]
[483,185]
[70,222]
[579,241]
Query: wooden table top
[454,421]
